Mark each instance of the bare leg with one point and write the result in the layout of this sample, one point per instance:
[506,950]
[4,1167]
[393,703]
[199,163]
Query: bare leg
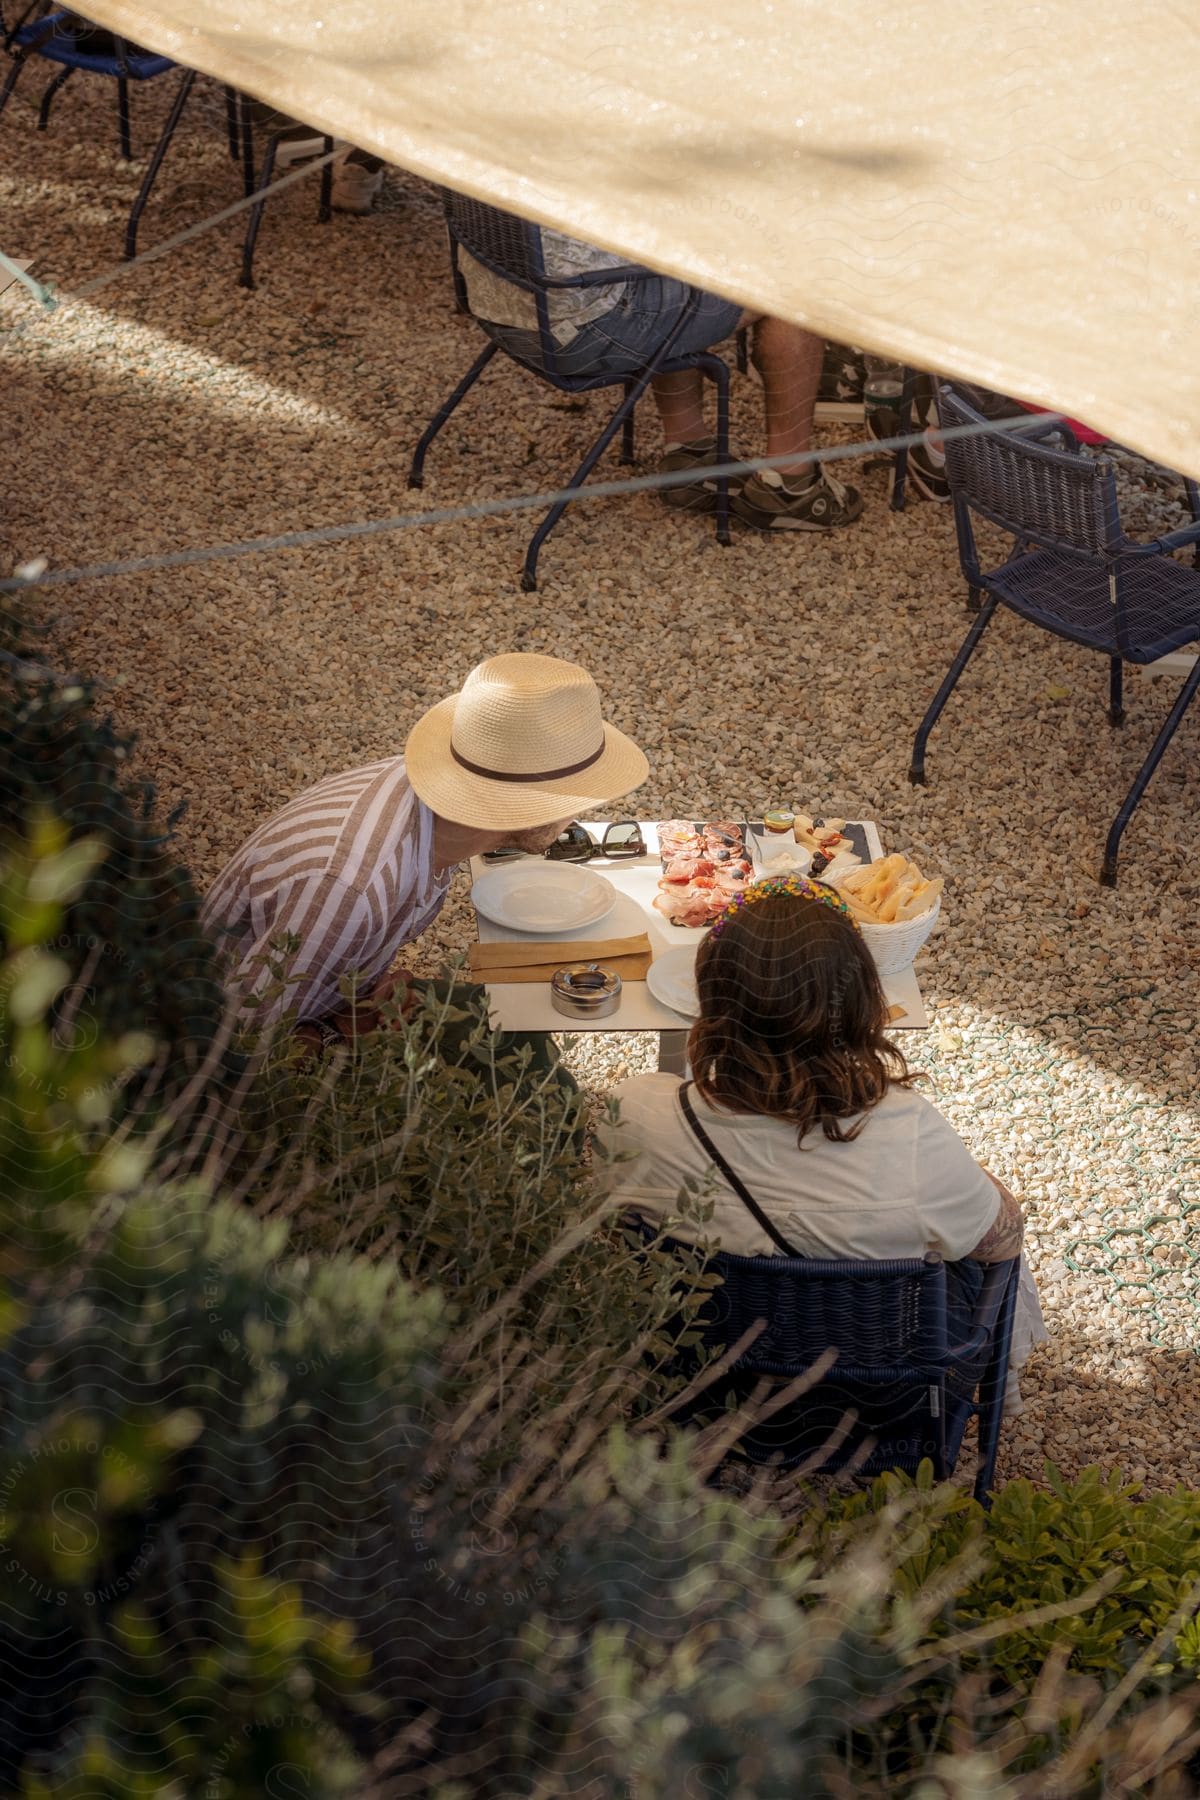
[789,359]
[680,401]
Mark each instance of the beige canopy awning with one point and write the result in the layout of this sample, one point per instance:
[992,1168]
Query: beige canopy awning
[1008,192]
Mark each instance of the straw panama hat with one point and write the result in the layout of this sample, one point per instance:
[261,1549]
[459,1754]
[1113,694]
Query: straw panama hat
[522,745]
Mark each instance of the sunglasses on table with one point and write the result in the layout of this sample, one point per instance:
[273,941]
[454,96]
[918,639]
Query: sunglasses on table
[576,844]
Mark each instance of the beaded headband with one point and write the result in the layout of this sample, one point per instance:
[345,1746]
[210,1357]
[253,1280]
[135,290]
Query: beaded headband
[766,889]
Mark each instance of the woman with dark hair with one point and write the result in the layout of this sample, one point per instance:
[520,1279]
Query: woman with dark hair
[799,1096]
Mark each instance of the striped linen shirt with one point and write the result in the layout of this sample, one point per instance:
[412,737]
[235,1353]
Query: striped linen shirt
[347,867]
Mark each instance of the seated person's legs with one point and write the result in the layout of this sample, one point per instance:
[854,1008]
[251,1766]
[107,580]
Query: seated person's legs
[621,341]
[794,495]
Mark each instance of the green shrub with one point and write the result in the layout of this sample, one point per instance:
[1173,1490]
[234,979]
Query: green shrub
[177,1402]
[264,1515]
[131,936]
[249,1714]
[1137,1560]
[432,1146]
[196,1396]
[685,1643]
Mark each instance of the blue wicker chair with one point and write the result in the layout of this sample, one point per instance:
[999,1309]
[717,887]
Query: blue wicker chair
[512,249]
[1072,570]
[59,37]
[239,125]
[898,1391]
[63,38]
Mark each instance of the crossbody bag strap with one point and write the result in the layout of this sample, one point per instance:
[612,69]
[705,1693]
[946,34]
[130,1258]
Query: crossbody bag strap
[736,1183]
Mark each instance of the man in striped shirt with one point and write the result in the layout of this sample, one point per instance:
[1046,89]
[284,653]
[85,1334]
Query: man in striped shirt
[360,865]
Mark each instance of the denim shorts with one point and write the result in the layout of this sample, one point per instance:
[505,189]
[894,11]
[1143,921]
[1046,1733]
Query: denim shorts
[621,342]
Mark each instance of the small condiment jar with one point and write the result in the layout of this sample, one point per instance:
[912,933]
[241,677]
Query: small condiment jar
[585,991]
[780,819]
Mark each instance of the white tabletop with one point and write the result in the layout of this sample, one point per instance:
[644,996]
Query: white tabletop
[525,1005]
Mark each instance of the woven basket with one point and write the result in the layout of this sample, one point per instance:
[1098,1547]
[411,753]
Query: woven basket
[893,947]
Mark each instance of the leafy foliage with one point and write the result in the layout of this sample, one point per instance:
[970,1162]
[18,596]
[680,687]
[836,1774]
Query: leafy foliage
[130,937]
[270,1510]
[689,1643]
[1083,1580]
[435,1145]
[249,1714]
[178,1402]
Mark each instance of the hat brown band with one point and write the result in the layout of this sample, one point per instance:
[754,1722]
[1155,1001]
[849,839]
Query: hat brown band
[530,780]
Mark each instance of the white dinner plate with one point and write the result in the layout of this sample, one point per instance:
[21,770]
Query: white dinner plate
[672,980]
[538,896]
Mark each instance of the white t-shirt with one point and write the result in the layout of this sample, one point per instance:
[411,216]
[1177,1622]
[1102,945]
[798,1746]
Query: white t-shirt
[905,1185]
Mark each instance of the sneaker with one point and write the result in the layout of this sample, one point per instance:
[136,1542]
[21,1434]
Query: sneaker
[699,495]
[926,473]
[768,503]
[355,188]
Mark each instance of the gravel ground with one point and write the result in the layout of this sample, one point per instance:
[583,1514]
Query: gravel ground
[178,410]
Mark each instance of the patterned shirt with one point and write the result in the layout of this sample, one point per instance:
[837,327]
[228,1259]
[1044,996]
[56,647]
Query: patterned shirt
[504,303]
[347,867]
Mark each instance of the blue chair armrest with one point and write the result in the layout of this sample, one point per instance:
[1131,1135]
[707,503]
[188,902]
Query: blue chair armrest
[1049,429]
[1175,540]
[1160,546]
[997,1303]
[969,1347]
[994,1291]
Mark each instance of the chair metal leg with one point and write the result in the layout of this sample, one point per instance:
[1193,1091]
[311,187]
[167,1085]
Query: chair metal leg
[416,473]
[916,771]
[247,125]
[325,204]
[1116,711]
[743,351]
[156,161]
[633,393]
[627,432]
[123,118]
[246,278]
[717,370]
[18,24]
[974,601]
[1187,693]
[231,123]
[14,74]
[992,1391]
[904,426]
[60,80]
